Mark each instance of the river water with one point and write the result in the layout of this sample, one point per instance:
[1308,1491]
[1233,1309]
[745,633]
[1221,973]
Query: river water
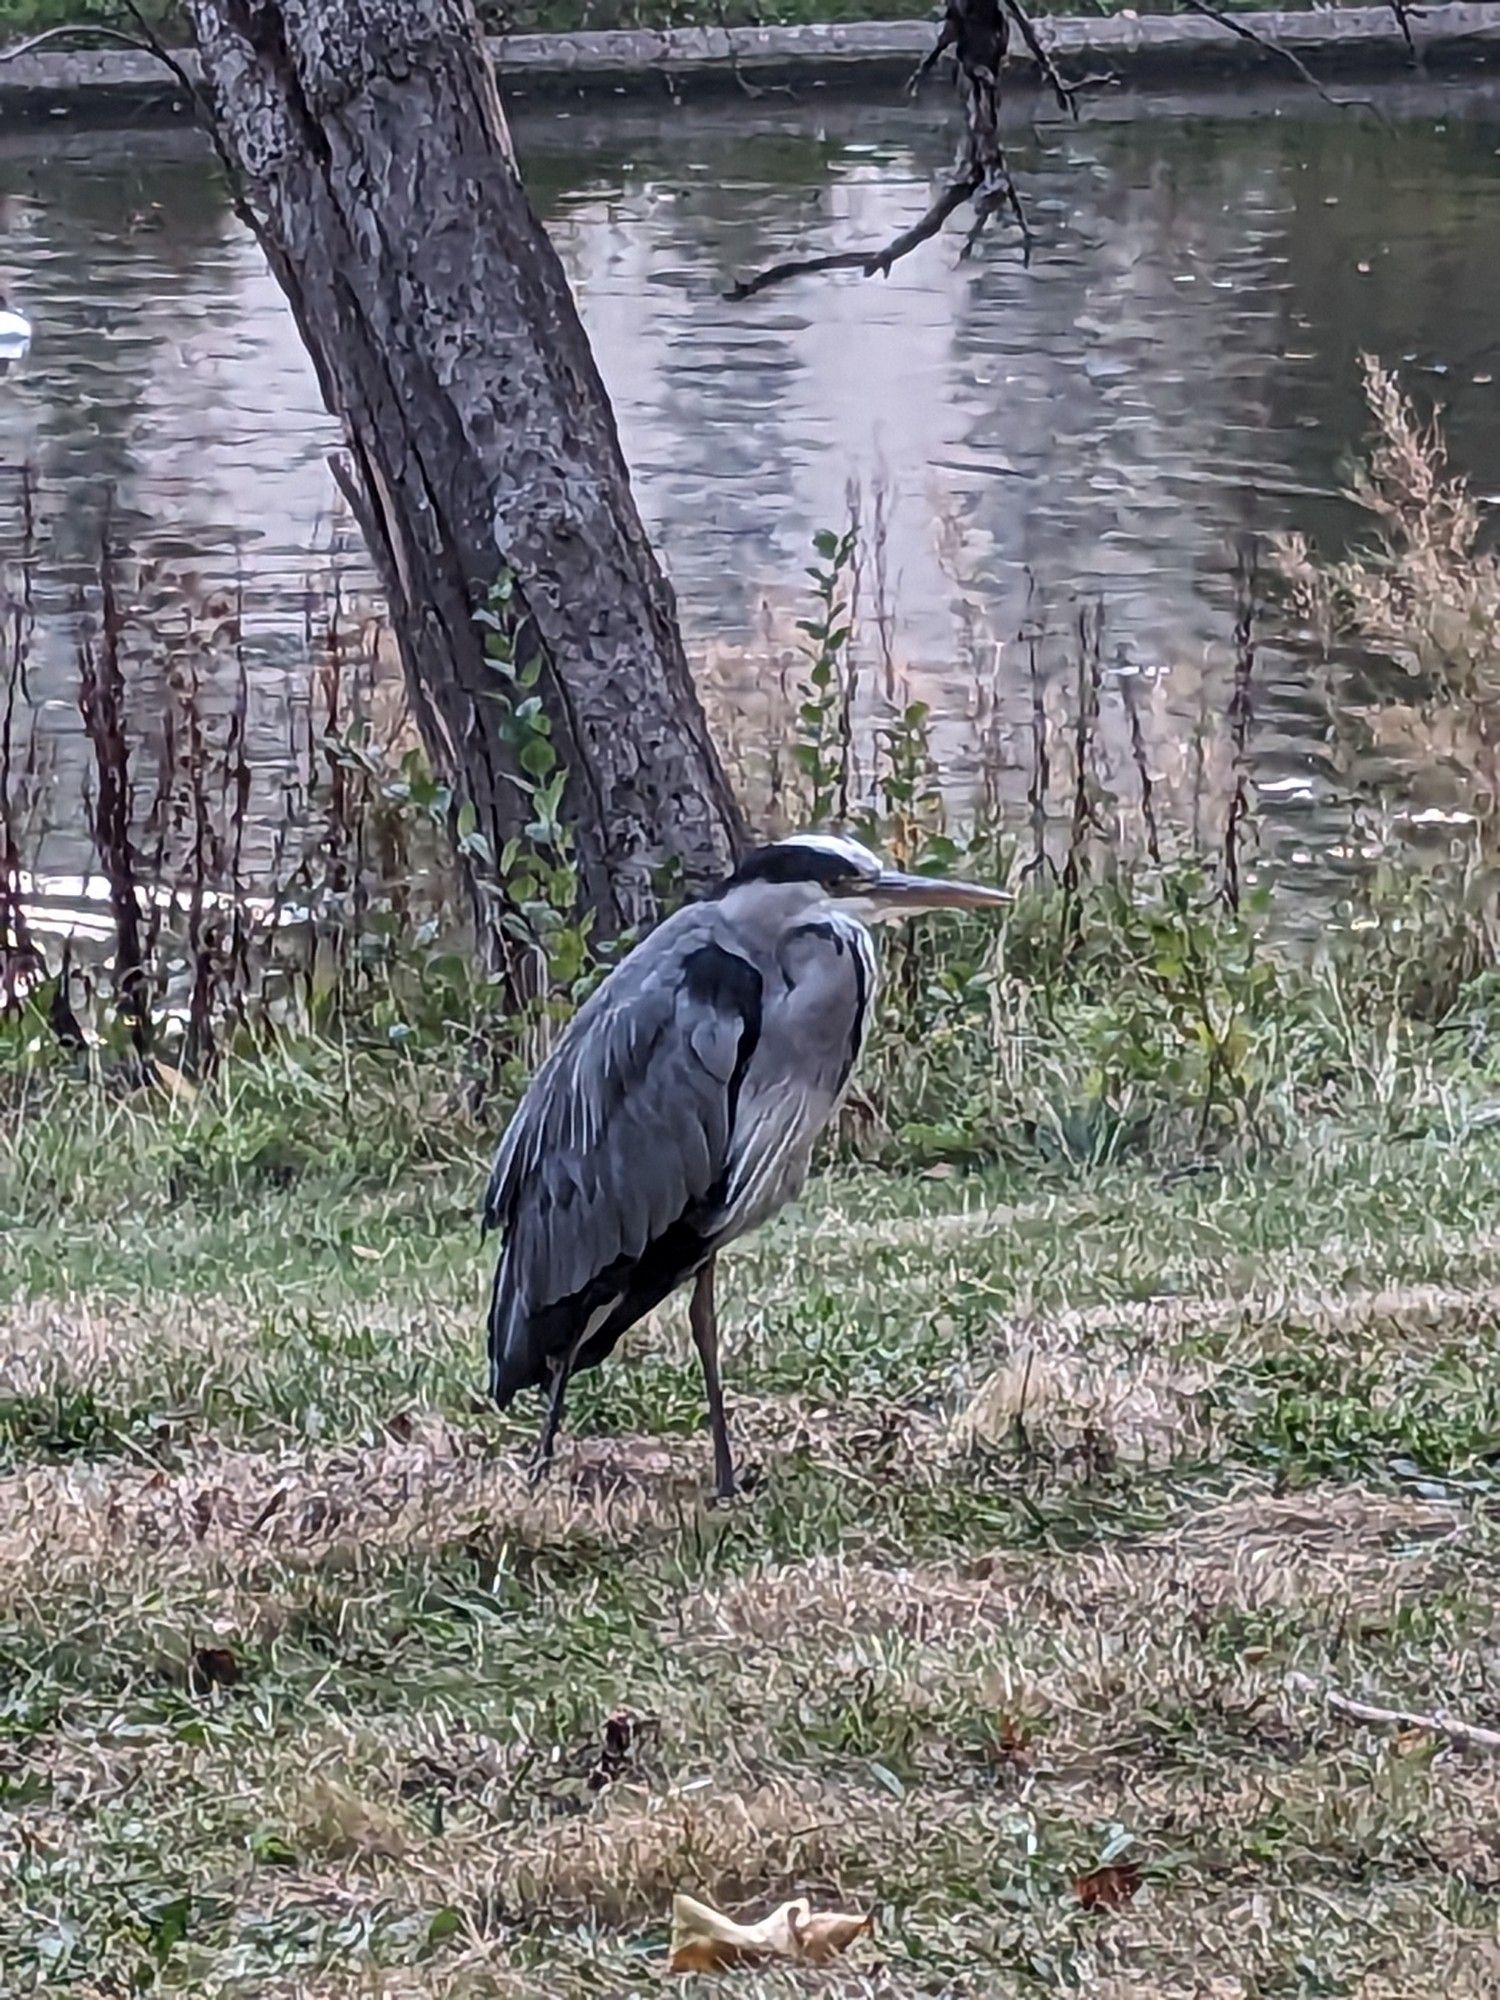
[1176,371]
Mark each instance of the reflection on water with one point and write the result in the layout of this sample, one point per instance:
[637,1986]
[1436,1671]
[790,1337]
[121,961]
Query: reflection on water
[1175,371]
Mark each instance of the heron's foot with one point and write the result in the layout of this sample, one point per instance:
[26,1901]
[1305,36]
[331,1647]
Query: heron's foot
[540,1466]
[727,1490]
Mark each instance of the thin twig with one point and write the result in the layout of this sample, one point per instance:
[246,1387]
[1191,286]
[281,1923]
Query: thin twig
[869,263]
[1085,726]
[1404,17]
[750,90]
[1127,687]
[1041,772]
[985,205]
[71,31]
[1469,1735]
[1241,716]
[1237,26]
[947,36]
[153,45]
[1066,93]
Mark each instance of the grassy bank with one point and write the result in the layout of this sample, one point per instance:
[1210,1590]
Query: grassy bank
[1124,1397]
[1079,1489]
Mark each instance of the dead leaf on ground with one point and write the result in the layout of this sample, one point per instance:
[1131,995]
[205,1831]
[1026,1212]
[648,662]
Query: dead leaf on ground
[213,1666]
[1108,1888]
[1413,1741]
[703,1940]
[624,1732]
[173,1082]
[1010,1744]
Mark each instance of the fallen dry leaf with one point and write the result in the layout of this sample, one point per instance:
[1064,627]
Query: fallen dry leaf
[1010,1744]
[824,1934]
[213,1666]
[1108,1888]
[172,1081]
[1412,1742]
[703,1940]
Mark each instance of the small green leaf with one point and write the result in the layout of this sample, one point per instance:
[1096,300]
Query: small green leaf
[549,796]
[168,1925]
[271,1850]
[446,1923]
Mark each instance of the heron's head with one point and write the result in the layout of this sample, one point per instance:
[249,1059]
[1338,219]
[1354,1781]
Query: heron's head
[834,868]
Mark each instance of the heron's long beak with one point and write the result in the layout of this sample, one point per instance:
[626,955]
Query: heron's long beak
[897,895]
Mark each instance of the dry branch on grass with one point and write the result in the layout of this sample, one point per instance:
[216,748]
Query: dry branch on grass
[1466,1735]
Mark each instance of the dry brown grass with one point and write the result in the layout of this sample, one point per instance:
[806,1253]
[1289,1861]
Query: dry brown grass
[242,1521]
[1426,594]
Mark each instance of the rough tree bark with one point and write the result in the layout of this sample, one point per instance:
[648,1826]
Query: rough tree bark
[371,155]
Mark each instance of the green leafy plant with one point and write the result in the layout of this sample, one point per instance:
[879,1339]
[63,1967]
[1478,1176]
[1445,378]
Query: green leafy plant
[825,699]
[537,869]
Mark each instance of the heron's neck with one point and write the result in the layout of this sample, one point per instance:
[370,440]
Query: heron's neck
[773,905]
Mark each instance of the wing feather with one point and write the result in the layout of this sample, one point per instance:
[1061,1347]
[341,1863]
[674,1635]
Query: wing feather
[625,1130]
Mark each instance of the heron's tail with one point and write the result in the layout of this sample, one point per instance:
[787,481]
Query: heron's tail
[503,1382]
[514,1361]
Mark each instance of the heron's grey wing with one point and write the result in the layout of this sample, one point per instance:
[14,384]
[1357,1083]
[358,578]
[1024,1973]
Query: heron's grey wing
[626,1129]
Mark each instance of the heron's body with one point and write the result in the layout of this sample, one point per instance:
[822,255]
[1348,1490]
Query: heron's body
[679,1110]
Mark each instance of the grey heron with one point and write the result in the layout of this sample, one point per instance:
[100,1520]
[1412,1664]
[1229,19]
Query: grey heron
[680,1107]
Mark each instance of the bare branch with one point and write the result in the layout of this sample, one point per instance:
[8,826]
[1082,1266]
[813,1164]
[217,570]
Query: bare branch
[193,93]
[947,36]
[1000,192]
[70,31]
[1469,1735]
[1065,93]
[1237,26]
[978,32]
[1405,15]
[869,263]
[749,89]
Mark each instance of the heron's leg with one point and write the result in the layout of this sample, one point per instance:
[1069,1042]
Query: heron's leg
[562,1368]
[705,1324]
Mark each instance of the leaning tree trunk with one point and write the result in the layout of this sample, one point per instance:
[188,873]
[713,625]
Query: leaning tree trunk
[371,155]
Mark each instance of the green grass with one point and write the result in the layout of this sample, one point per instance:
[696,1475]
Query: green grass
[1064,1475]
